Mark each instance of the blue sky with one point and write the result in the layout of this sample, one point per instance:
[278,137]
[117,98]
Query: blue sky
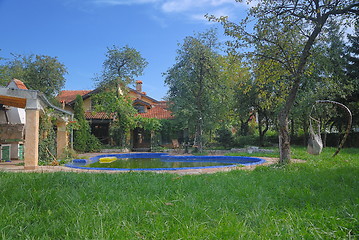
[78,32]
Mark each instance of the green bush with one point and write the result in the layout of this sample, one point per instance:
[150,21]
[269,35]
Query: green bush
[224,136]
[243,141]
[84,141]
[47,138]
[67,155]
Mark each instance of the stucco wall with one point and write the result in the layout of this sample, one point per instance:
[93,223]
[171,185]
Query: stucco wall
[87,104]
[133,95]
[14,115]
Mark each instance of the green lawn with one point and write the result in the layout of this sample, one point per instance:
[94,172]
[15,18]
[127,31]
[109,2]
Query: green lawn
[318,199]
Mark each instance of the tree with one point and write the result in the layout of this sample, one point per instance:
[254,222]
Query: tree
[195,89]
[325,78]
[84,141]
[121,66]
[275,23]
[224,136]
[47,137]
[352,71]
[240,95]
[353,53]
[120,108]
[38,72]
[119,69]
[3,70]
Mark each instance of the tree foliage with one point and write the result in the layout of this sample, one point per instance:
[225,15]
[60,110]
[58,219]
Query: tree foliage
[38,72]
[47,138]
[121,66]
[119,107]
[352,71]
[195,88]
[84,141]
[224,136]
[325,78]
[285,32]
[237,82]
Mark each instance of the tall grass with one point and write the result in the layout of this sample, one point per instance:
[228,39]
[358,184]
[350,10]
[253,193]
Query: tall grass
[318,199]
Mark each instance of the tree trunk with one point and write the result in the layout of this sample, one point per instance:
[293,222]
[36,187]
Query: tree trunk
[244,125]
[261,137]
[262,116]
[292,132]
[284,139]
[324,139]
[198,140]
[244,128]
[306,134]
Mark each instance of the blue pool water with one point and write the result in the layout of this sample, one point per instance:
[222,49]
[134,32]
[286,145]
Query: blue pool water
[161,161]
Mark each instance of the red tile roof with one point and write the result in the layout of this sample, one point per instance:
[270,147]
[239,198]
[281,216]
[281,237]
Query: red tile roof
[98,115]
[70,95]
[20,84]
[158,111]
[143,94]
[155,112]
[140,102]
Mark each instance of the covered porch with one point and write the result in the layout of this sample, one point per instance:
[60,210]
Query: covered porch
[34,103]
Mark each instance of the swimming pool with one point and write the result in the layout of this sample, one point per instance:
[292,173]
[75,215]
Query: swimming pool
[159,161]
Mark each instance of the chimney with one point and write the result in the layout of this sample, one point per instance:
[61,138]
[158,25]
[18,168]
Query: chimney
[139,86]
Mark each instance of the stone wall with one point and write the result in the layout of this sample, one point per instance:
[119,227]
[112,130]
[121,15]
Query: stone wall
[11,132]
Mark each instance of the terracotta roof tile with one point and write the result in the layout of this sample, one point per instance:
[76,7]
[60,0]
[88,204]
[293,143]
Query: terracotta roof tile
[98,115]
[20,84]
[70,95]
[139,101]
[158,111]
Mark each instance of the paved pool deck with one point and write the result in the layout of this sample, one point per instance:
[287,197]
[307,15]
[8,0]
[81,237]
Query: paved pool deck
[15,166]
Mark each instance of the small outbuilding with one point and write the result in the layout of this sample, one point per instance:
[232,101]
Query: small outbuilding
[20,111]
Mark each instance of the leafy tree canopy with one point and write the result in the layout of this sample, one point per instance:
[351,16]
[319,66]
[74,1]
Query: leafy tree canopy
[196,87]
[38,72]
[121,66]
[285,32]
[84,141]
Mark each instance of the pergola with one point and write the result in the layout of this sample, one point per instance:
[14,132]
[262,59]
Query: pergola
[34,103]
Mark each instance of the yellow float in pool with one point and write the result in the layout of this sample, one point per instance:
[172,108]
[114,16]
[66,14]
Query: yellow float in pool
[107,159]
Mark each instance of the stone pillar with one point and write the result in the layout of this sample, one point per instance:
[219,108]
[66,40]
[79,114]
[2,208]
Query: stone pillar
[32,139]
[62,138]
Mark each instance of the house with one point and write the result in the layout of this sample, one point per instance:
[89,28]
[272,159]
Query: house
[20,111]
[12,125]
[100,121]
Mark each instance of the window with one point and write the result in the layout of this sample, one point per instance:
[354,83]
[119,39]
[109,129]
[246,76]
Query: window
[140,108]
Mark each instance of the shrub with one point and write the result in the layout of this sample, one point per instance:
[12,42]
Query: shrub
[250,140]
[84,141]
[224,137]
[67,155]
[47,138]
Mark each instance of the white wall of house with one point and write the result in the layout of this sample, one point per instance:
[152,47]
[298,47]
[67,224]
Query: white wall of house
[12,84]
[2,117]
[16,115]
